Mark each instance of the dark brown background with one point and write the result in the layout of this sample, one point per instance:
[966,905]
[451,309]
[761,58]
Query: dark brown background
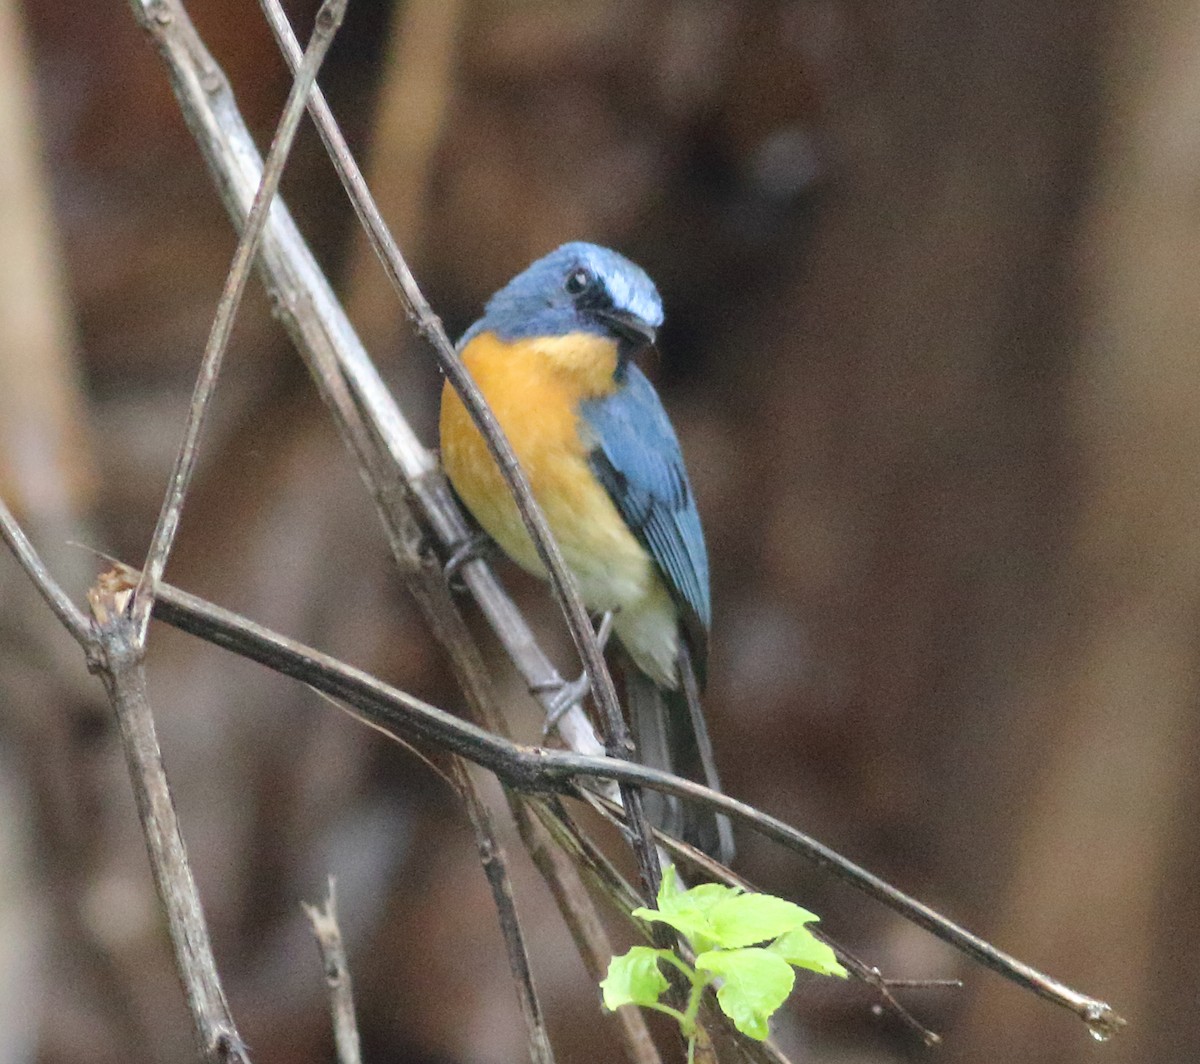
[930,270]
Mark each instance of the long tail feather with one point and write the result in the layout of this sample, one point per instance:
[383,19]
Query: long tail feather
[670,733]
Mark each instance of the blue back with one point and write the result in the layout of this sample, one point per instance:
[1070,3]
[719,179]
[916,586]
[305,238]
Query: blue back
[638,460]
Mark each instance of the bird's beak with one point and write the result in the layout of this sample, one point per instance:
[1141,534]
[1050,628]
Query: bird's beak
[628,326]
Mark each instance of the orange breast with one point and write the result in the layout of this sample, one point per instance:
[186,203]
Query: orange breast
[535,386]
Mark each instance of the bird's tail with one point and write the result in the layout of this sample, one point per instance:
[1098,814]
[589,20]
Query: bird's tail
[670,733]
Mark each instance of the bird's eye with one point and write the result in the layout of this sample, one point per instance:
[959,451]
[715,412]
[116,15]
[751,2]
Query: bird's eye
[577,281]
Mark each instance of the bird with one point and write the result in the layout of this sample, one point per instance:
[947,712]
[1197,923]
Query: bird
[554,356]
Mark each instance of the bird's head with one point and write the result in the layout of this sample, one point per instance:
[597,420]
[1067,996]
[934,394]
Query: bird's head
[577,288]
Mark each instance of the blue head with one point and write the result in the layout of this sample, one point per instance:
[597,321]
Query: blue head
[578,288]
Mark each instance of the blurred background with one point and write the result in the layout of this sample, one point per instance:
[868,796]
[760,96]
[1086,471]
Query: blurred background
[933,312]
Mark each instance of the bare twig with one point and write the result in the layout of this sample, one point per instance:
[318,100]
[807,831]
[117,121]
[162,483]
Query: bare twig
[70,615]
[539,770]
[329,18]
[430,326]
[427,584]
[531,769]
[617,739]
[337,976]
[336,360]
[117,658]
[561,877]
[491,856]
[116,644]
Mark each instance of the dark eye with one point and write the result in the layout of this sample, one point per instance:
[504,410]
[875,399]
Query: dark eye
[577,281]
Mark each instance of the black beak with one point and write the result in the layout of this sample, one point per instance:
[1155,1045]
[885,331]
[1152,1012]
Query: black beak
[628,326]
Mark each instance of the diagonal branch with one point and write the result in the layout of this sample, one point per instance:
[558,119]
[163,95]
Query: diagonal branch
[617,739]
[115,644]
[318,326]
[329,18]
[495,868]
[70,616]
[534,770]
[538,770]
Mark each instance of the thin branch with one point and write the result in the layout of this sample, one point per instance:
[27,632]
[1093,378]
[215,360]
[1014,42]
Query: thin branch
[571,839]
[118,660]
[430,326]
[580,915]
[69,615]
[337,976]
[539,770]
[561,877]
[617,739]
[114,646]
[858,968]
[329,18]
[491,855]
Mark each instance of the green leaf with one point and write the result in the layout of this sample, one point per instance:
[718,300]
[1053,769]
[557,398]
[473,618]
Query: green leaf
[804,950]
[756,983]
[687,910]
[690,923]
[634,979]
[744,919]
[668,886]
[672,898]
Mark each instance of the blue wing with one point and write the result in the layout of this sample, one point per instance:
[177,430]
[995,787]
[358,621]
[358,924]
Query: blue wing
[637,458]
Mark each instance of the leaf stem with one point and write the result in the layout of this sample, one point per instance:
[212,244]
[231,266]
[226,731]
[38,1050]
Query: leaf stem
[688,971]
[699,982]
[674,1013]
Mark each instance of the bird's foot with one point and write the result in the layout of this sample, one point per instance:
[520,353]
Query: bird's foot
[476,545]
[570,693]
[566,695]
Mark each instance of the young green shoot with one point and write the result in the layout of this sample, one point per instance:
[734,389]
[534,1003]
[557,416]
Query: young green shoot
[745,944]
